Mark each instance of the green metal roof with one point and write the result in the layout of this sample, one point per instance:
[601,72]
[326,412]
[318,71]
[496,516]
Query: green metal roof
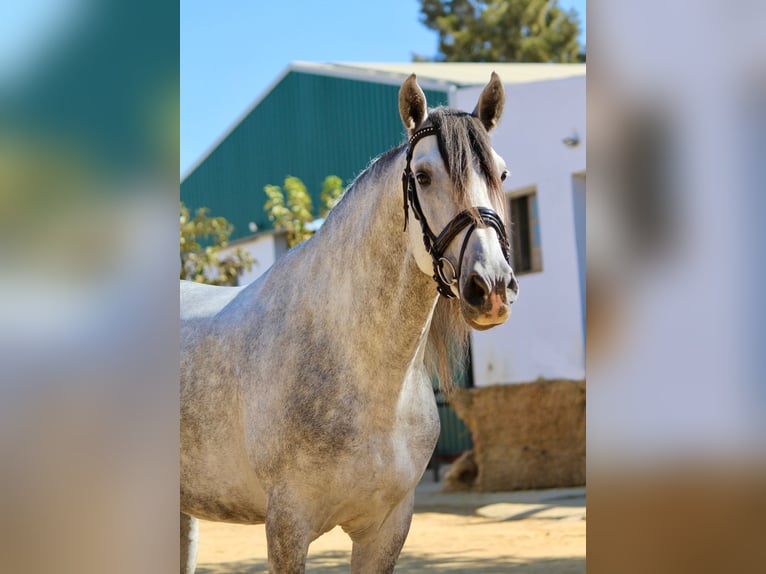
[309,126]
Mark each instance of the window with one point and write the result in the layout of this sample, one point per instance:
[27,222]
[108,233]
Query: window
[525,233]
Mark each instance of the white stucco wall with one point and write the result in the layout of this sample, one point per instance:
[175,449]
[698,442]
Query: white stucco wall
[263,249]
[544,335]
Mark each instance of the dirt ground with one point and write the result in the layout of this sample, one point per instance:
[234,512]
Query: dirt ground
[530,532]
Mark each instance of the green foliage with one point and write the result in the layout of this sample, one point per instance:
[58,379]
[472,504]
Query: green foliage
[291,210]
[503,31]
[205,264]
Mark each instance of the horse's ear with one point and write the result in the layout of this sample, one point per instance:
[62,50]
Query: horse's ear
[412,104]
[491,103]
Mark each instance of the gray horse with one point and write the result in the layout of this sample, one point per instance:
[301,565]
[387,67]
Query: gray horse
[306,397]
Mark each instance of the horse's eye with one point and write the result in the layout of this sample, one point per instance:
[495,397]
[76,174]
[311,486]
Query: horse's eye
[504,175]
[423,178]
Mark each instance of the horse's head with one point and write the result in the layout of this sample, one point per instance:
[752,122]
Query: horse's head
[452,186]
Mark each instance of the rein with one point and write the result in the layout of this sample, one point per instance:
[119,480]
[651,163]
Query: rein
[445,273]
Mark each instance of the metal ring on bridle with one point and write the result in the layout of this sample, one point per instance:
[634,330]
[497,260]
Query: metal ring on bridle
[440,271]
[437,246]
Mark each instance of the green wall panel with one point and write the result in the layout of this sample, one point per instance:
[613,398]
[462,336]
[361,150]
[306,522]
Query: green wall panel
[309,126]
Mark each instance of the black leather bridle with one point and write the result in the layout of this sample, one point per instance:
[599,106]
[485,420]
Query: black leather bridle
[437,246]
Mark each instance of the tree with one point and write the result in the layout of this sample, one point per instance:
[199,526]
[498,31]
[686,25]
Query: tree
[503,31]
[292,211]
[205,264]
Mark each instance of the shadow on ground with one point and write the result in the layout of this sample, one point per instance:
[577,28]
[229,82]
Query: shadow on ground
[338,562]
[430,498]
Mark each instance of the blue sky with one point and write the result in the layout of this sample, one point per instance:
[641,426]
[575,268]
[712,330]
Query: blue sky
[232,50]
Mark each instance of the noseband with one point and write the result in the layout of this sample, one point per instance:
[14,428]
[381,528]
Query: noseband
[445,274]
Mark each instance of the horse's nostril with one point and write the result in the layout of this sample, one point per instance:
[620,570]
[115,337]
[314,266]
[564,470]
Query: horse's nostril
[476,290]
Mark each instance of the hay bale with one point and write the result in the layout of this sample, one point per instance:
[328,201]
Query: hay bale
[525,436]
[462,473]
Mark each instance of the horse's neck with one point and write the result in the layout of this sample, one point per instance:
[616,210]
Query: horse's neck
[377,301]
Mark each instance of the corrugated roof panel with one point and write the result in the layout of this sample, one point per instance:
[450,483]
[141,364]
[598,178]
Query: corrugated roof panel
[453,73]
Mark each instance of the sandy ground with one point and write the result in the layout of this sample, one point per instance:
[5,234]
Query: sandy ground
[532,532]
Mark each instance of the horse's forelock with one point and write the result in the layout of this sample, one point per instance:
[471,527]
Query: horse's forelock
[463,141]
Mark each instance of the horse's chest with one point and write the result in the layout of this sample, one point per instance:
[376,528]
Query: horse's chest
[382,471]
[396,456]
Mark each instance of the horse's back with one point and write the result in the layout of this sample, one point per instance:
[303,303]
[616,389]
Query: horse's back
[217,480]
[200,301]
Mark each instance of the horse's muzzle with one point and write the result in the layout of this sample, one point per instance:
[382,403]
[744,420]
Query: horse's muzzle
[487,303]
